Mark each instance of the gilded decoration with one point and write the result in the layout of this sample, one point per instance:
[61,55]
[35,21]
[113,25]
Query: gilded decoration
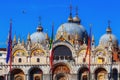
[37,52]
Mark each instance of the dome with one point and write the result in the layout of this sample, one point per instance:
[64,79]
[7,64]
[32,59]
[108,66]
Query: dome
[38,36]
[108,37]
[76,19]
[72,29]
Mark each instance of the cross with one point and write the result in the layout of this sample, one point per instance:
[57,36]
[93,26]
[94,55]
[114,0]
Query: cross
[109,22]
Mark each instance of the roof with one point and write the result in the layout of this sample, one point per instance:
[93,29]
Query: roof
[2,49]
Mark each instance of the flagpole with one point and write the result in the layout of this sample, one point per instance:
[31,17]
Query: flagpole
[9,49]
[90,50]
[51,51]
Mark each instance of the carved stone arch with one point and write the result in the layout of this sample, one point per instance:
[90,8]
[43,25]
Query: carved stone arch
[35,73]
[20,52]
[83,73]
[97,67]
[61,71]
[100,73]
[114,74]
[17,74]
[67,45]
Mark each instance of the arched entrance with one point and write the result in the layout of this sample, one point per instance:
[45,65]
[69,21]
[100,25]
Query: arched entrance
[115,74]
[61,77]
[17,74]
[83,74]
[101,74]
[2,78]
[35,74]
[61,72]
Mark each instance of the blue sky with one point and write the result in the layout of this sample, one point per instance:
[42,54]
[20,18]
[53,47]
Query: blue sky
[25,13]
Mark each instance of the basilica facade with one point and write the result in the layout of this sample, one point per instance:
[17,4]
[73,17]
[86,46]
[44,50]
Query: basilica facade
[31,59]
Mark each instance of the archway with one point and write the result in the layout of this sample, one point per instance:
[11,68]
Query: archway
[115,74]
[2,78]
[62,52]
[17,74]
[61,72]
[61,77]
[101,74]
[83,74]
[35,74]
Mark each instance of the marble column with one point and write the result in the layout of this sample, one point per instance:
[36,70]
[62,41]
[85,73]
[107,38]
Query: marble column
[26,77]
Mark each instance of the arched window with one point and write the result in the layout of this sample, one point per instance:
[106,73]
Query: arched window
[19,60]
[38,60]
[115,74]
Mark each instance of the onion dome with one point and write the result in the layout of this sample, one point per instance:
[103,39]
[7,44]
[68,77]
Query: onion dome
[38,36]
[71,29]
[76,19]
[108,37]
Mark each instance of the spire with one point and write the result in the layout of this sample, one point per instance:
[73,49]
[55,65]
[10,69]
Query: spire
[108,30]
[18,40]
[76,19]
[28,37]
[23,42]
[46,37]
[14,39]
[39,28]
[93,39]
[70,19]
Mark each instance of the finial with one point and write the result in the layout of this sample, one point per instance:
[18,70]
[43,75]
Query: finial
[39,20]
[93,40]
[39,28]
[109,23]
[28,37]
[70,9]
[14,40]
[70,19]
[91,25]
[76,19]
[11,20]
[108,30]
[19,40]
[46,37]
[23,42]
[76,10]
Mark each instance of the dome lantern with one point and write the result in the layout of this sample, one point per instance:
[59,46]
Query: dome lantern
[39,28]
[76,19]
[70,19]
[108,30]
